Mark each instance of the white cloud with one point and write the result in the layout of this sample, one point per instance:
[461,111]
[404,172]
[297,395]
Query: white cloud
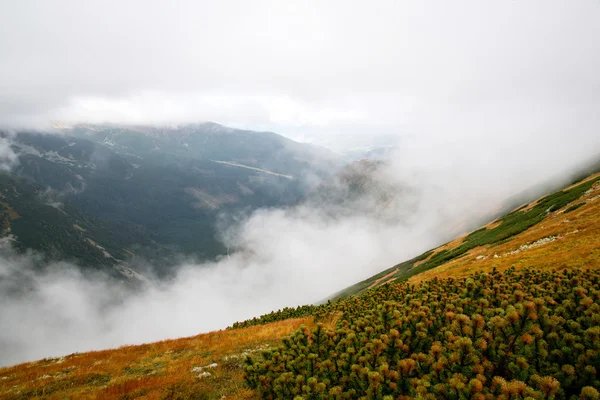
[279,257]
[150,107]
[8,158]
[320,68]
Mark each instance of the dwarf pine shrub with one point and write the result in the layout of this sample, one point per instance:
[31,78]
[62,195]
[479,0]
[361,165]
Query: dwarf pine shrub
[280,315]
[534,335]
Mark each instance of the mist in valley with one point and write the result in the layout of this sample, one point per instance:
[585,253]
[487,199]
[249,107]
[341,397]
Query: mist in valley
[485,100]
[279,257]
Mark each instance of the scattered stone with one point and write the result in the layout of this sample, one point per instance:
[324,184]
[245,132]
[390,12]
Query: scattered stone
[540,242]
[209,366]
[247,352]
[204,374]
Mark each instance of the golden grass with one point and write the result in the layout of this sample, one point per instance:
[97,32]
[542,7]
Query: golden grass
[589,178]
[161,370]
[577,245]
[384,278]
[450,245]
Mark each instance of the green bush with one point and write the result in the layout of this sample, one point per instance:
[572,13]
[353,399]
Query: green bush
[574,207]
[285,313]
[509,336]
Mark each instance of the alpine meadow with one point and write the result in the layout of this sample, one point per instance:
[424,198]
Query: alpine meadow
[307,200]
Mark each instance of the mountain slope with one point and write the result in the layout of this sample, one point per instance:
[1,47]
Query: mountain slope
[207,366]
[568,216]
[155,192]
[557,232]
[211,141]
[32,219]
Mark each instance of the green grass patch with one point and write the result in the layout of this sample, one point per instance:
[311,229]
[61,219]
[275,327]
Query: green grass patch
[574,207]
[512,224]
[362,286]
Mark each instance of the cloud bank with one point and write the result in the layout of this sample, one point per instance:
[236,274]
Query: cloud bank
[305,68]
[487,98]
[280,257]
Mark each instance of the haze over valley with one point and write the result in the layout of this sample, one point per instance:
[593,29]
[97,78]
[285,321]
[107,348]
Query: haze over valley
[168,170]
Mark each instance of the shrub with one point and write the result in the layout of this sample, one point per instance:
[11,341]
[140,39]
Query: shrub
[515,335]
[280,315]
[574,207]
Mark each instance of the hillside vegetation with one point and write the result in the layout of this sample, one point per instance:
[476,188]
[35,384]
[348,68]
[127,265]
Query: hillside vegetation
[510,311]
[207,366]
[564,222]
[500,335]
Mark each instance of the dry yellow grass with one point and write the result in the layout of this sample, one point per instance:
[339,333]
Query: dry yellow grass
[162,370]
[577,245]
[382,279]
[589,178]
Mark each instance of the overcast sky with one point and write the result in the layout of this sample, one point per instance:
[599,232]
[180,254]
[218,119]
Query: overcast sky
[300,67]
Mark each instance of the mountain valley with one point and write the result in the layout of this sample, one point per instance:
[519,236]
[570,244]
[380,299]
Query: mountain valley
[108,195]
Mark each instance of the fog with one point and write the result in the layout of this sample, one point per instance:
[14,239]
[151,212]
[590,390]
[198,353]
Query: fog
[284,257]
[281,257]
[300,68]
[484,100]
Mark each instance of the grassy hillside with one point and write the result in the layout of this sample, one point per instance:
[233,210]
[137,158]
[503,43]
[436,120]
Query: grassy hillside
[563,223]
[511,310]
[172,369]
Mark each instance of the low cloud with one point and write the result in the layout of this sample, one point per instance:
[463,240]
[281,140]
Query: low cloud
[8,157]
[485,99]
[319,70]
[278,257]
